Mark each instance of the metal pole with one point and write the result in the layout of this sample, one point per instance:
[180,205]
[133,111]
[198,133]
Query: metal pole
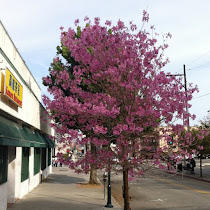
[104,190]
[104,178]
[188,121]
[109,204]
[185,87]
[201,175]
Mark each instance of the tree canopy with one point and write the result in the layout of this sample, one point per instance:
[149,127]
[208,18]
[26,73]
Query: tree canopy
[107,82]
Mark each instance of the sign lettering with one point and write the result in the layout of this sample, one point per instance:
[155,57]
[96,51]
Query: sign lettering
[13,89]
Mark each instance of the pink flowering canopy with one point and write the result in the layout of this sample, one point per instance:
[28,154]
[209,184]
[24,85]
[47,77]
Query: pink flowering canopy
[109,91]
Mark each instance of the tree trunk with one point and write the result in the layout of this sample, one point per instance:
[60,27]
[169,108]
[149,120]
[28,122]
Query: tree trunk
[93,170]
[125,188]
[93,176]
[201,174]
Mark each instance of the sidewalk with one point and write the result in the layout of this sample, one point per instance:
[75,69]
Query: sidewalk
[205,173]
[62,190]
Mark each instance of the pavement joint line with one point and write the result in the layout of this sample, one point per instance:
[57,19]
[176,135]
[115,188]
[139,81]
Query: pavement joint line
[182,186]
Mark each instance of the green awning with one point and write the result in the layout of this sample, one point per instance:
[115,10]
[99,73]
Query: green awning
[50,142]
[13,134]
[34,137]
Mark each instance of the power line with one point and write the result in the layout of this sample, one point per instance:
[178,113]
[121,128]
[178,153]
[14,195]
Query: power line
[200,57]
[201,66]
[201,96]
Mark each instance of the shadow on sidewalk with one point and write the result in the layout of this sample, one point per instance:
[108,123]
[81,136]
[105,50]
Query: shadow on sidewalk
[45,202]
[62,179]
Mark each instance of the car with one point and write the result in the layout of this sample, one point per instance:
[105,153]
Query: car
[204,156]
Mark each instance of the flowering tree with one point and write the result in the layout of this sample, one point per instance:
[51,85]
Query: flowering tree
[107,84]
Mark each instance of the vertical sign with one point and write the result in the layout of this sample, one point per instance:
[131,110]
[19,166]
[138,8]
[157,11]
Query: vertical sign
[13,89]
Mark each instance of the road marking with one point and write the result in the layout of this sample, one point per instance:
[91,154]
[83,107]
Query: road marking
[159,200]
[179,185]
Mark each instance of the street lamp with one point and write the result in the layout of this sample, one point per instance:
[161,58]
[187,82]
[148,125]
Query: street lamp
[109,203]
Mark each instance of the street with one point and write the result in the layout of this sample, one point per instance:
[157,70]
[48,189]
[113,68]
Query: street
[160,190]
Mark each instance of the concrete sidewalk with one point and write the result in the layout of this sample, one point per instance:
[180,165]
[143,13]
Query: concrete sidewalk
[205,172]
[61,190]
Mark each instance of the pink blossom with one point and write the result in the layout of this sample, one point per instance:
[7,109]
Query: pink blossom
[125,127]
[145,16]
[108,89]
[108,22]
[86,18]
[97,20]
[76,22]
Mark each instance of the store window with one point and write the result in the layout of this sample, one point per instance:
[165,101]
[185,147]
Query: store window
[36,160]
[49,156]
[43,158]
[53,155]
[3,163]
[25,164]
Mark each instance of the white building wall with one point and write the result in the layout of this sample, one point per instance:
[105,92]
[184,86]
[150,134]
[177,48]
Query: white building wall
[18,164]
[24,188]
[12,53]
[31,90]
[34,180]
[11,174]
[29,102]
[3,196]
[31,168]
[29,113]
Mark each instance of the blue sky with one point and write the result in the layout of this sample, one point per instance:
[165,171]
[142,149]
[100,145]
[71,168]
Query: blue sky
[34,28]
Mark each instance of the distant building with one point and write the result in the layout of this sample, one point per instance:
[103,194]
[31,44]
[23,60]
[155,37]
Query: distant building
[69,148]
[25,147]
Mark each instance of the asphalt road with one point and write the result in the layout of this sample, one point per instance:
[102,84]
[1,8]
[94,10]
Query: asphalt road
[159,190]
[169,192]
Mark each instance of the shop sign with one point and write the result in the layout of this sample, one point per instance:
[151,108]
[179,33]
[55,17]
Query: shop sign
[13,89]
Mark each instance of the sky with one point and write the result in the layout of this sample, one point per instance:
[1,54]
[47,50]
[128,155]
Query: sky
[34,27]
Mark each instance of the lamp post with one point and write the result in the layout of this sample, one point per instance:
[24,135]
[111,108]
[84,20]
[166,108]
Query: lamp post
[109,203]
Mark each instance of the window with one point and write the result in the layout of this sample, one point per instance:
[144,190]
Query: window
[170,142]
[43,158]
[25,164]
[53,155]
[3,163]
[49,157]
[36,160]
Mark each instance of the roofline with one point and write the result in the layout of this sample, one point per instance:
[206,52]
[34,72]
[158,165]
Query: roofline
[19,53]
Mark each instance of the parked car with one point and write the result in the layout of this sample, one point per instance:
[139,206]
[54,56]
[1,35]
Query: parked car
[204,156]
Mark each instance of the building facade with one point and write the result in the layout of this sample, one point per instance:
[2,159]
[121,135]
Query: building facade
[25,146]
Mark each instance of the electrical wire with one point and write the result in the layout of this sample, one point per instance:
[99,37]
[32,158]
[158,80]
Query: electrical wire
[201,66]
[200,57]
[201,96]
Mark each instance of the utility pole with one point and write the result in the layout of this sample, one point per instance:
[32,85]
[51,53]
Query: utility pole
[185,87]
[186,102]
[188,121]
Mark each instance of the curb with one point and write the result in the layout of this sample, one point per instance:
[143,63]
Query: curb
[115,204]
[191,177]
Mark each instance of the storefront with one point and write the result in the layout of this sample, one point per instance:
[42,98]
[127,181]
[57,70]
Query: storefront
[25,144]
